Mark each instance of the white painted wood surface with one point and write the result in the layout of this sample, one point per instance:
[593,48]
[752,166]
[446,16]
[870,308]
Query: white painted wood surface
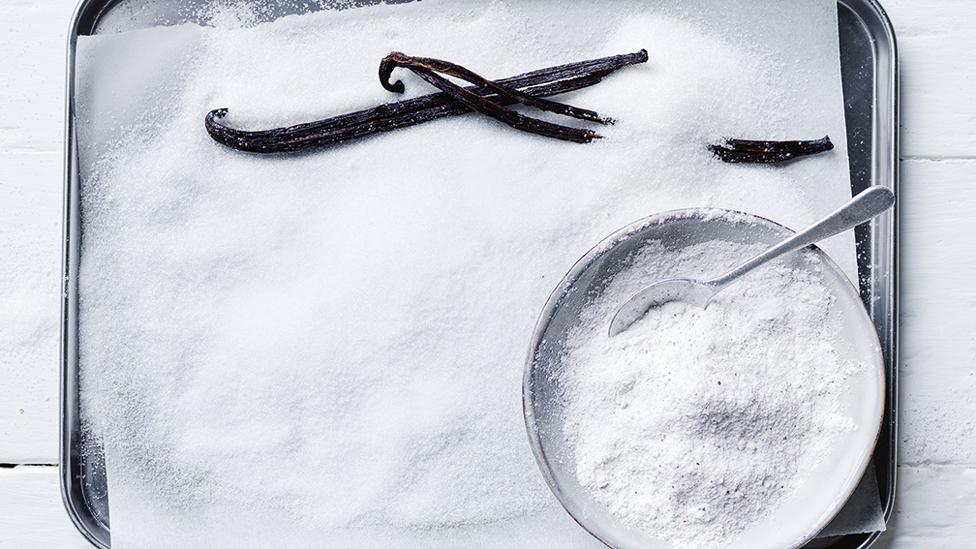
[31,513]
[936,495]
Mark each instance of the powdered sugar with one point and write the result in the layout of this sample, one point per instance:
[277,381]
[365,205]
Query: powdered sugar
[695,424]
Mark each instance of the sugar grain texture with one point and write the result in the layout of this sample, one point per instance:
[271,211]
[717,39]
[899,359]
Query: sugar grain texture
[330,345]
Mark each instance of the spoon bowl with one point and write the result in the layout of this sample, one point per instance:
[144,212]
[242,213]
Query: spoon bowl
[688,290]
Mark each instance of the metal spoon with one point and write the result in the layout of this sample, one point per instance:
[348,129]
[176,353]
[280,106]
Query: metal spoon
[861,208]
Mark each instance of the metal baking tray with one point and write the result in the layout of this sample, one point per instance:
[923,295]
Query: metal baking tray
[870,84]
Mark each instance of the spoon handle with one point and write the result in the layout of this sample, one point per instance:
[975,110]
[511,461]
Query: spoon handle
[867,204]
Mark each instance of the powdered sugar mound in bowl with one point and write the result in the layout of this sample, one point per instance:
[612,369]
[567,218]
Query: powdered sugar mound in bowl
[688,426]
[700,428]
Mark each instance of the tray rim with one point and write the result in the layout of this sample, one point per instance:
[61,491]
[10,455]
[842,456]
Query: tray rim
[885,171]
[884,255]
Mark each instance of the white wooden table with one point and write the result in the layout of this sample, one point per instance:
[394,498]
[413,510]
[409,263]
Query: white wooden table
[935,502]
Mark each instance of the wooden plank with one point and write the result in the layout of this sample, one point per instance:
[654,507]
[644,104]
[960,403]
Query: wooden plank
[34,46]
[30,267]
[34,43]
[934,507]
[938,80]
[31,513]
[938,313]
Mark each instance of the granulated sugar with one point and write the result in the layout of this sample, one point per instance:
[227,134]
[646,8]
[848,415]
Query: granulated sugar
[694,424]
[329,345]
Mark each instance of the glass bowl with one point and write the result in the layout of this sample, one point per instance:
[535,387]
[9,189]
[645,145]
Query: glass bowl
[823,489]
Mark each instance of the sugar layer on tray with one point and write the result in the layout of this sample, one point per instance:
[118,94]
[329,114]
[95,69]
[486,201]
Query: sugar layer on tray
[332,343]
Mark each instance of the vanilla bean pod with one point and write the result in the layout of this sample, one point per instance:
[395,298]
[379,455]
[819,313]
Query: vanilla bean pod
[425,68]
[398,59]
[363,123]
[765,152]
[539,83]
